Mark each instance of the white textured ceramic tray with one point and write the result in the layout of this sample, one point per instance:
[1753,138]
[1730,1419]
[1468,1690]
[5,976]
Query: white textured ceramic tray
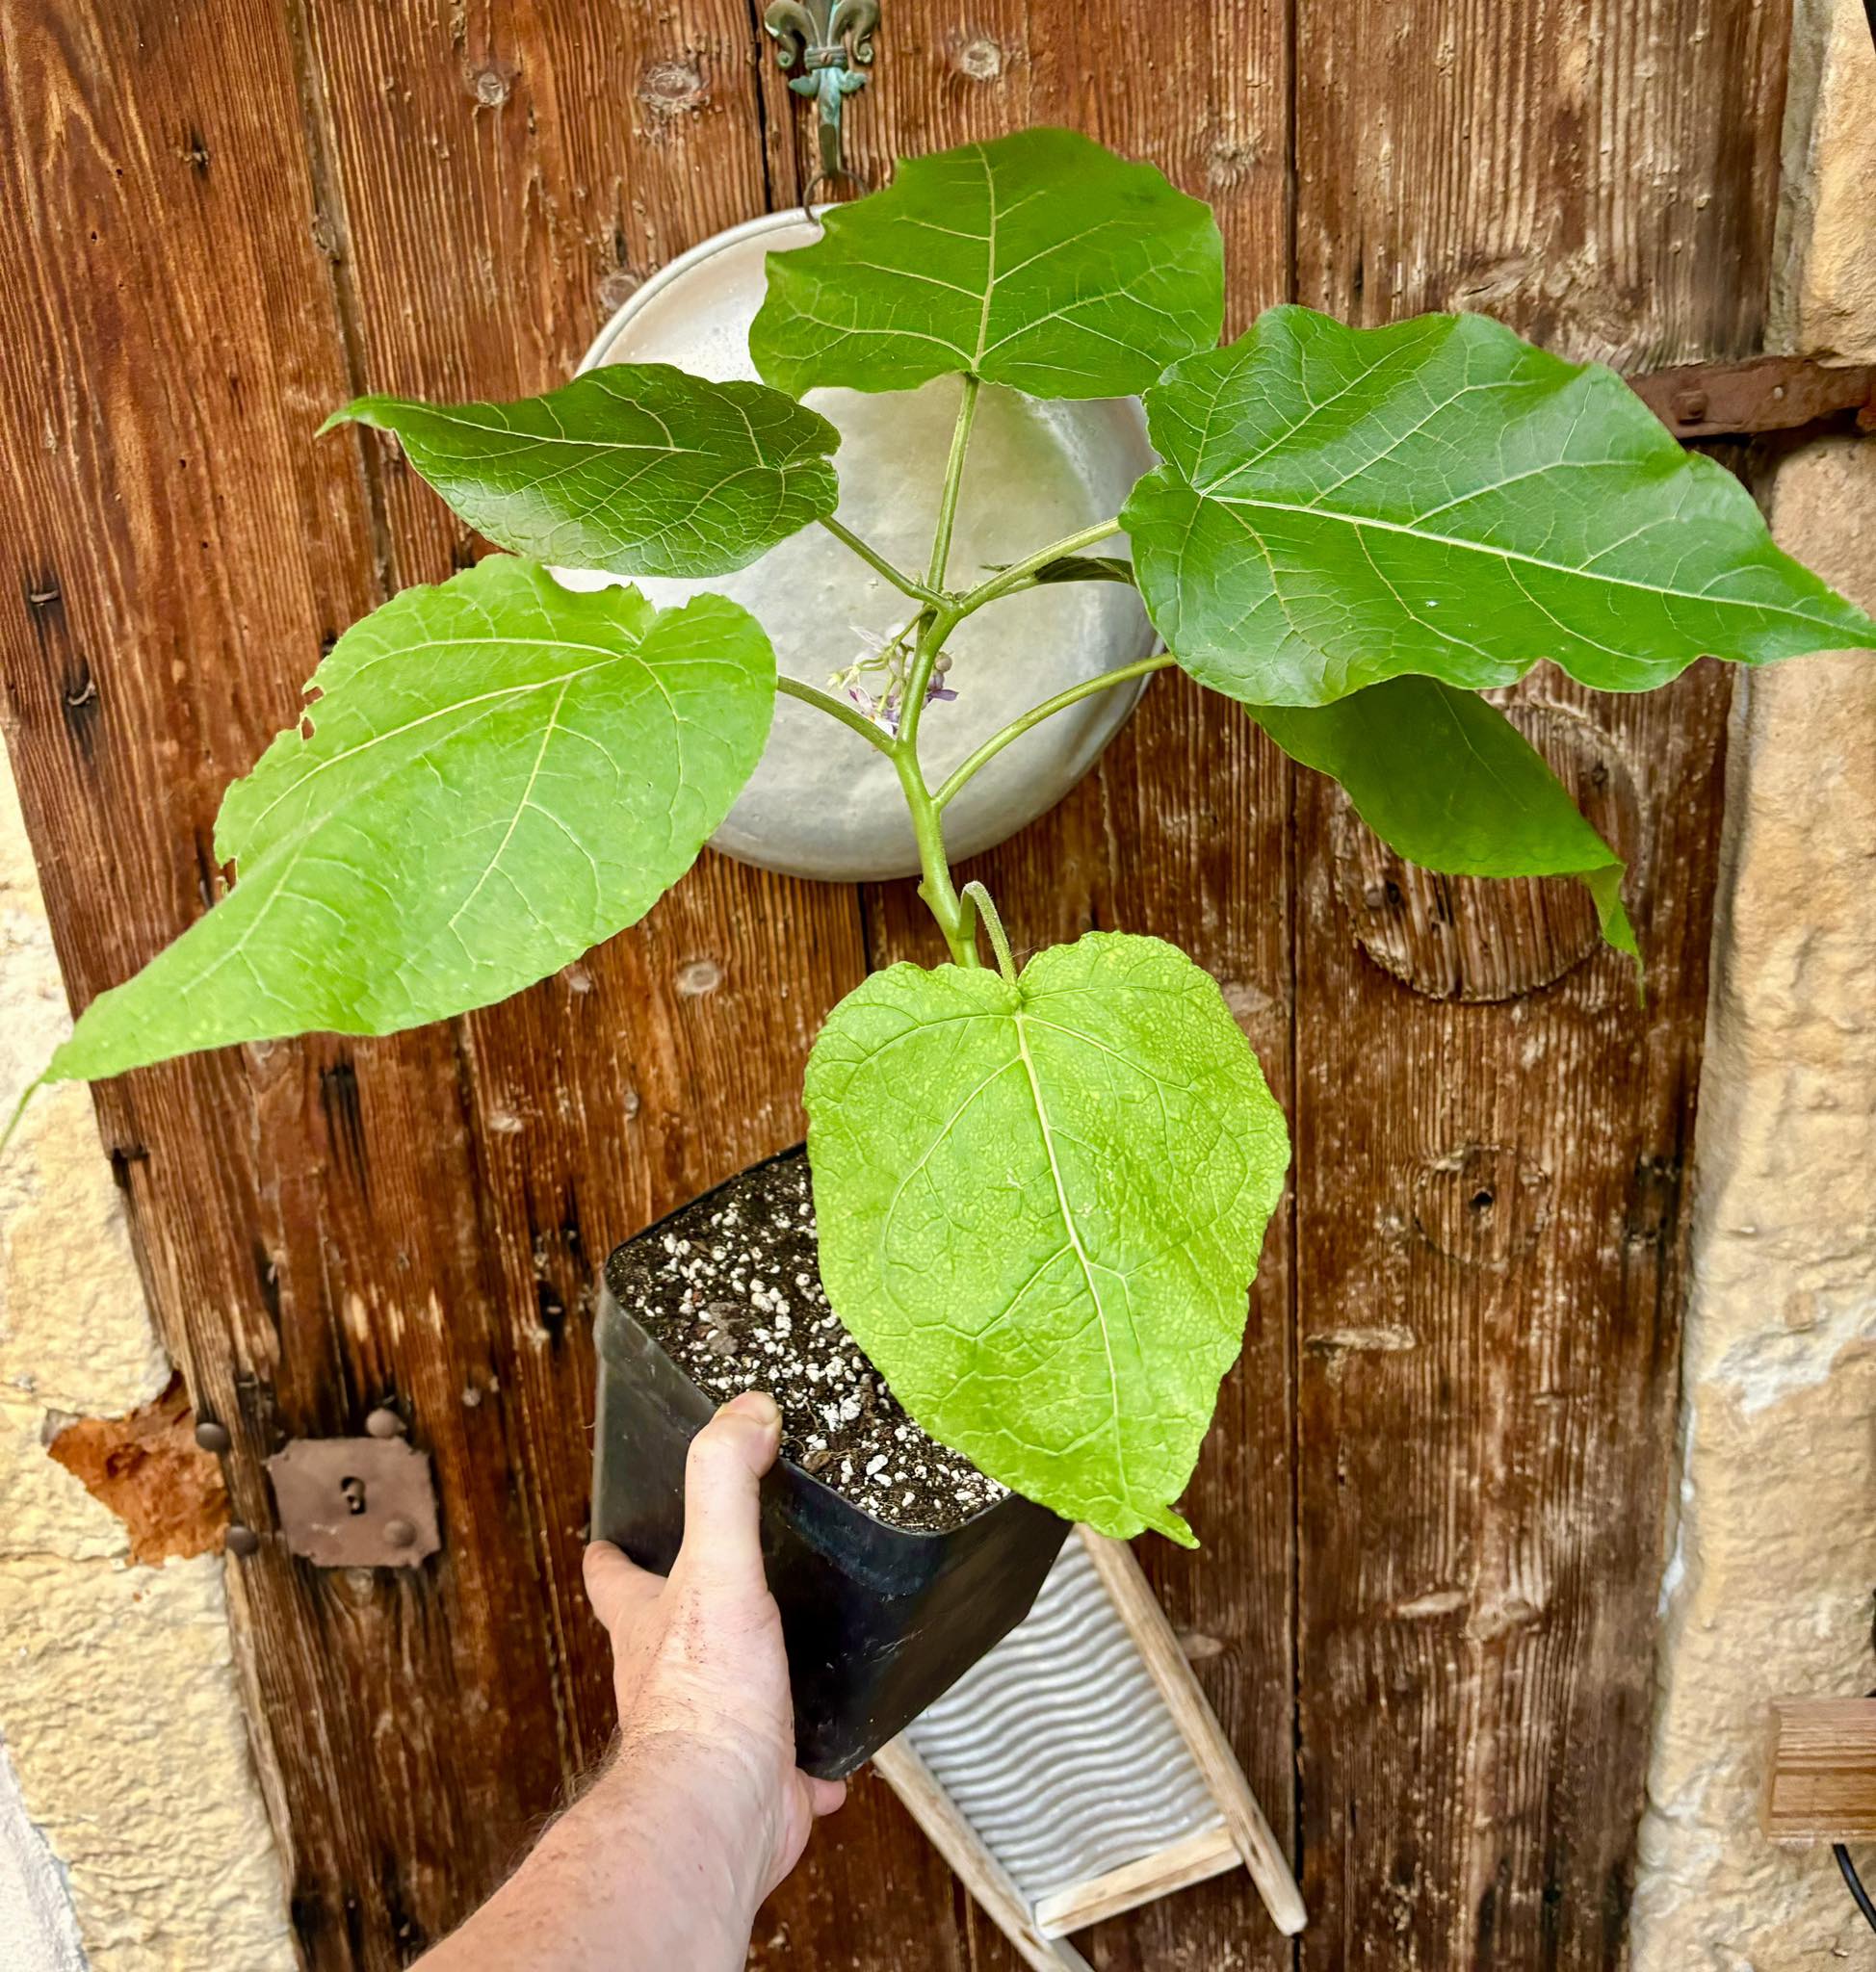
[823,803]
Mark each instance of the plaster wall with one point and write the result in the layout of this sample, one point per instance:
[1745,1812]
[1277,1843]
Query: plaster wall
[130,1815]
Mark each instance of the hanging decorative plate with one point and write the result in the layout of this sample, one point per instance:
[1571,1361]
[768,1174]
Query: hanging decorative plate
[823,803]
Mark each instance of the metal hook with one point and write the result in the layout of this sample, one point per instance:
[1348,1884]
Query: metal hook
[822,178]
[831,42]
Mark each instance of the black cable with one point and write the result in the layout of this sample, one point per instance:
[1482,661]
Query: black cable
[1848,1869]
[1852,1880]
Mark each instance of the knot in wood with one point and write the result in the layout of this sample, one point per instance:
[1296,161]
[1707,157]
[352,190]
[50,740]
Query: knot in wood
[981,59]
[1482,1205]
[1486,939]
[672,87]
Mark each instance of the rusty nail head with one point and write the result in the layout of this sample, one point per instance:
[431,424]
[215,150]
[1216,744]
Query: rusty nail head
[385,1423]
[243,1541]
[213,1437]
[399,1532]
[1690,406]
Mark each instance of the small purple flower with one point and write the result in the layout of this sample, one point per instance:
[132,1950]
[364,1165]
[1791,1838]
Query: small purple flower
[889,659]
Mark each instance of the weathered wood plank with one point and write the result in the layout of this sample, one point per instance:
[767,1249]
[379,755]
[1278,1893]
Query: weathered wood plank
[220,224]
[1492,1137]
[493,217]
[1180,831]
[1600,173]
[1492,1216]
[429,200]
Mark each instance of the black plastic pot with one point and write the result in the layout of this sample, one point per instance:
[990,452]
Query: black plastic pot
[879,1620]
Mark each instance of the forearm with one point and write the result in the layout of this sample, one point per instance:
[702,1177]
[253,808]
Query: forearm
[635,1875]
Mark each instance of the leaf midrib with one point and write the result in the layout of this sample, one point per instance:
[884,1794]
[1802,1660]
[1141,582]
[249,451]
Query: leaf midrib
[564,679]
[1415,533]
[453,418]
[1074,1242]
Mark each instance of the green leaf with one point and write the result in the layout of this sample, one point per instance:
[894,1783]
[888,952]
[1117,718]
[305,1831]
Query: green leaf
[1084,568]
[1040,1206]
[1451,783]
[1343,505]
[1040,261]
[499,774]
[636,468]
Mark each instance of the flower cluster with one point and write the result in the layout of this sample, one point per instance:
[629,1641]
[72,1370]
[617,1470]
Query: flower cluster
[875,682]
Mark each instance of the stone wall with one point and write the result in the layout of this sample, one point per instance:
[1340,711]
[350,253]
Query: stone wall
[1769,1588]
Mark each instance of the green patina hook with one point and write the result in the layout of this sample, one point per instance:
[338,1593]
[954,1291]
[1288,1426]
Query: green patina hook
[831,42]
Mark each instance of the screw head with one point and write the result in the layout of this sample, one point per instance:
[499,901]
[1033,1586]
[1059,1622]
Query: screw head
[213,1437]
[385,1423]
[243,1541]
[399,1532]
[1690,406]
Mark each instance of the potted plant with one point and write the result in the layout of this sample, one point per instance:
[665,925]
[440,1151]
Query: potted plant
[1037,1195]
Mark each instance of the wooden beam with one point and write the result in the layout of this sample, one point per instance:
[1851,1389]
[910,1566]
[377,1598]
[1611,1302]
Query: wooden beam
[1822,1787]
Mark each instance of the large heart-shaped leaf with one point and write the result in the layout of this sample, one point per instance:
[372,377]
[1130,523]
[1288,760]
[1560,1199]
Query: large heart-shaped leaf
[1040,1207]
[636,468]
[498,774]
[1447,778]
[1040,261]
[1342,506]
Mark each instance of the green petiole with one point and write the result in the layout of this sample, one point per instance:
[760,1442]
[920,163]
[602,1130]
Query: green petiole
[957,915]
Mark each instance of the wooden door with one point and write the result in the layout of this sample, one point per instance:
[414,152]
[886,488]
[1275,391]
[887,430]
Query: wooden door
[1434,1505]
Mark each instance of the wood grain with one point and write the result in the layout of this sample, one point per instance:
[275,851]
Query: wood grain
[1433,1505]
[1821,1779]
[1603,174]
[1493,1196]
[1491,1240]
[409,198]
[1180,832]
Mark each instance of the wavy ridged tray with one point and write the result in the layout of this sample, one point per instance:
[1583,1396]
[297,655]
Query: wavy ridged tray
[1078,1771]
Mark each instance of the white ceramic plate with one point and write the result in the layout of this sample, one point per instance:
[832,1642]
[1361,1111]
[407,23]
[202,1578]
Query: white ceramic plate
[823,803]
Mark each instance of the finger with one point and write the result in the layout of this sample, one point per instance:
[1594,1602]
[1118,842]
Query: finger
[616,1586]
[722,1483]
[824,1797]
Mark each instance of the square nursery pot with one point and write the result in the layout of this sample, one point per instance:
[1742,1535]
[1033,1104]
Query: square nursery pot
[879,1620]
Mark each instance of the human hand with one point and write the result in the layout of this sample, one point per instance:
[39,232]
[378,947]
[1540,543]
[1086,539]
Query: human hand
[701,1675]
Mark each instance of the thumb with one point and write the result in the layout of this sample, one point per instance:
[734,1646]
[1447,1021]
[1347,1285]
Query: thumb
[616,1586]
[722,1486]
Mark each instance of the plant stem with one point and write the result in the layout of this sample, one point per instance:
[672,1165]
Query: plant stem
[846,714]
[993,923]
[1035,715]
[876,561]
[941,539]
[1017,572]
[957,916]
[944,616]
